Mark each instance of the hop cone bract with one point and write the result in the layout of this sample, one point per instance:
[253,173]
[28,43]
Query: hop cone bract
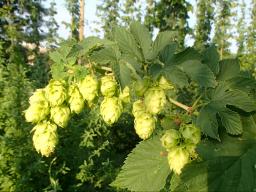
[144,125]
[60,115]
[125,95]
[170,138]
[45,138]
[88,88]
[76,101]
[137,108]
[110,109]
[108,86]
[190,133]
[155,100]
[56,92]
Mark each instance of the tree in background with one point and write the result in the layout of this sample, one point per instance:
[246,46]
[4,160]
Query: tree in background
[73,9]
[241,29]
[108,12]
[172,15]
[150,14]
[204,15]
[222,22]
[131,10]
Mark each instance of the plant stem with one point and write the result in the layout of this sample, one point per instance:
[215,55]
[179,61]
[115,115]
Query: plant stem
[181,105]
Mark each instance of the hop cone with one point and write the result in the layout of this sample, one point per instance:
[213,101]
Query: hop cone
[125,95]
[144,125]
[38,109]
[110,109]
[76,101]
[60,115]
[108,86]
[170,139]
[164,84]
[190,133]
[56,92]
[89,88]
[138,107]
[154,100]
[141,86]
[178,157]
[45,138]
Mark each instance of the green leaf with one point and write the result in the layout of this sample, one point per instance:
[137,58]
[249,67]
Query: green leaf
[175,75]
[106,55]
[231,121]
[144,169]
[167,54]
[162,40]
[186,55]
[142,37]
[207,121]
[229,68]
[127,43]
[211,58]
[227,166]
[198,72]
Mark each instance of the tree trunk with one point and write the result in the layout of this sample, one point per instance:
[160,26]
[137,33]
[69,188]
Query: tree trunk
[81,21]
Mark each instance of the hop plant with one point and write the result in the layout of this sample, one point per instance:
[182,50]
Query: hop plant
[141,86]
[45,138]
[76,101]
[171,139]
[60,115]
[108,86]
[110,109]
[88,88]
[56,92]
[154,100]
[164,84]
[37,97]
[190,133]
[178,157]
[138,107]
[191,149]
[144,125]
[125,95]
[37,111]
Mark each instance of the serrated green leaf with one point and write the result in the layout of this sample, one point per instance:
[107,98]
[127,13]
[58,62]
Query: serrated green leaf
[106,55]
[56,57]
[228,166]
[125,74]
[186,55]
[231,121]
[167,54]
[176,76]
[198,72]
[162,40]
[142,37]
[144,169]
[211,58]
[229,68]
[207,121]
[127,43]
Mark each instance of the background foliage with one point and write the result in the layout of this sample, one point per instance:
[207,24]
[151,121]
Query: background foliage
[90,153]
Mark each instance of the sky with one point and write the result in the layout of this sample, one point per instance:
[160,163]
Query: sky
[90,16]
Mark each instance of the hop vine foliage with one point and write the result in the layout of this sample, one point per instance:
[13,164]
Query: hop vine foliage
[178,101]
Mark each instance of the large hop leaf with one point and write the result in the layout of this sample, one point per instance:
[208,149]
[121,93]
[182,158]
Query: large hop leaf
[170,139]
[37,111]
[138,107]
[190,133]
[110,109]
[89,88]
[60,115]
[76,101]
[141,86]
[108,86]
[56,92]
[178,157]
[155,100]
[144,125]
[45,138]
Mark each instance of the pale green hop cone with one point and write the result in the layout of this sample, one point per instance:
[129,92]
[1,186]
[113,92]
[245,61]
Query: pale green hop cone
[56,92]
[190,133]
[144,125]
[37,112]
[37,97]
[108,86]
[111,109]
[170,139]
[45,138]
[88,88]
[60,115]
[165,84]
[125,95]
[154,100]
[138,107]
[76,101]
[178,157]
